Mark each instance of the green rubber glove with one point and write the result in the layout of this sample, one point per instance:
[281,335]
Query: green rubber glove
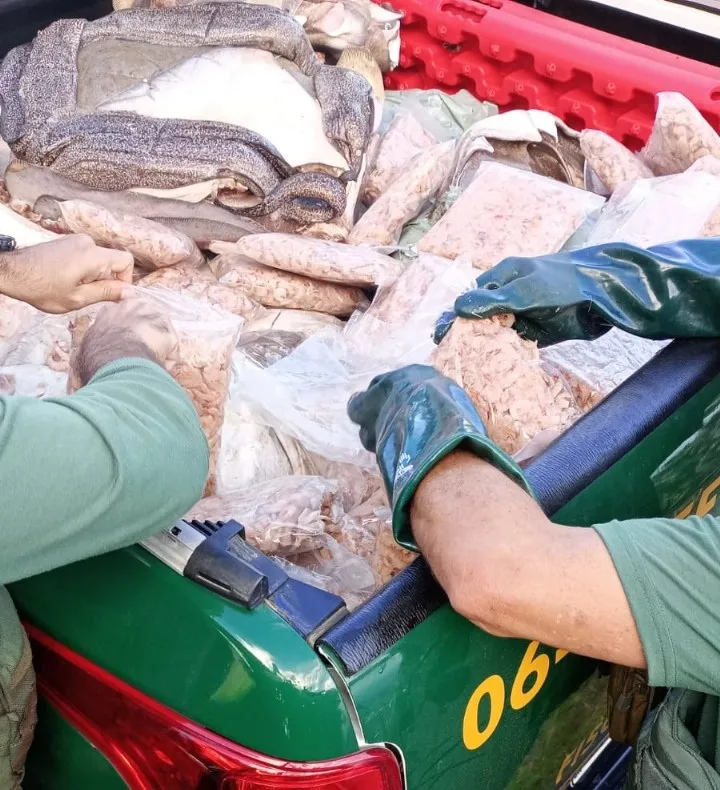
[668,291]
[411,419]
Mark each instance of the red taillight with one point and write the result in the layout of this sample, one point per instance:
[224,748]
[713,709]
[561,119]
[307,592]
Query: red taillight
[154,748]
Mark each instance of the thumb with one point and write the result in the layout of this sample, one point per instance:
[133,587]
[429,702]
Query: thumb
[102,291]
[481,303]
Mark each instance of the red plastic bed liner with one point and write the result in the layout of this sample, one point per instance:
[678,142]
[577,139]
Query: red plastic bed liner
[517,57]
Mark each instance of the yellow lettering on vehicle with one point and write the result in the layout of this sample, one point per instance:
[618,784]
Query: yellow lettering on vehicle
[705,504]
[708,498]
[529,680]
[532,665]
[494,689]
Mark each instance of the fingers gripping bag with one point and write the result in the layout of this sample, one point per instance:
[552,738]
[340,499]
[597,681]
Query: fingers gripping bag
[285,516]
[506,212]
[201,364]
[504,378]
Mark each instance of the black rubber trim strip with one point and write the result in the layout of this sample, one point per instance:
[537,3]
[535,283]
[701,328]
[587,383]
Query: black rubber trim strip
[564,469]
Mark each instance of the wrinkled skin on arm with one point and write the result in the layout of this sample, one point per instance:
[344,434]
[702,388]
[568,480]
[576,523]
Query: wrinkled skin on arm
[511,571]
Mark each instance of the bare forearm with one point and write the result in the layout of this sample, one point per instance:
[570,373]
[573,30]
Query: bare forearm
[510,570]
[101,348]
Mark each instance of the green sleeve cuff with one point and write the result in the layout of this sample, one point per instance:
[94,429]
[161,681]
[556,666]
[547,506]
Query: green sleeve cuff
[643,599]
[476,444]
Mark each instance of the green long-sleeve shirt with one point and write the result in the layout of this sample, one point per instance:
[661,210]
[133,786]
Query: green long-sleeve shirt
[98,470]
[670,571]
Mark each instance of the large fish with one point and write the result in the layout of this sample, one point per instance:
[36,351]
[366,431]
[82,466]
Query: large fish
[113,150]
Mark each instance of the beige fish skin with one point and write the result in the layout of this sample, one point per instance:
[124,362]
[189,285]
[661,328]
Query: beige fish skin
[348,113]
[203,222]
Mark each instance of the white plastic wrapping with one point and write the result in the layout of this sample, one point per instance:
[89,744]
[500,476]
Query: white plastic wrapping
[334,568]
[659,210]
[33,381]
[306,393]
[602,364]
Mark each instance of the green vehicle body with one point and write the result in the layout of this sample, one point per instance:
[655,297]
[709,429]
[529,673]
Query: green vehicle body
[462,708]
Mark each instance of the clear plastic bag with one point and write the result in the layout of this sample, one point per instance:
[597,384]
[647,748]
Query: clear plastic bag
[602,364]
[201,364]
[34,381]
[401,319]
[610,160]
[335,569]
[403,200]
[505,212]
[285,516]
[251,451]
[152,244]
[321,260]
[276,288]
[658,210]
[404,139]
[200,283]
[305,322]
[680,136]
[305,394]
[504,378]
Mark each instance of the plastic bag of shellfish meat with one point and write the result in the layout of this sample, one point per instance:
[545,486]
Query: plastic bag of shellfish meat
[610,161]
[680,136]
[601,365]
[506,212]
[284,516]
[503,375]
[202,363]
[404,139]
[250,450]
[654,211]
[200,283]
[305,394]
[333,568]
[406,196]
[33,381]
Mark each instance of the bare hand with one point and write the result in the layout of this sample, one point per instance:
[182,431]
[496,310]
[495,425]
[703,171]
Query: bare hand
[133,328]
[138,317]
[66,274]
